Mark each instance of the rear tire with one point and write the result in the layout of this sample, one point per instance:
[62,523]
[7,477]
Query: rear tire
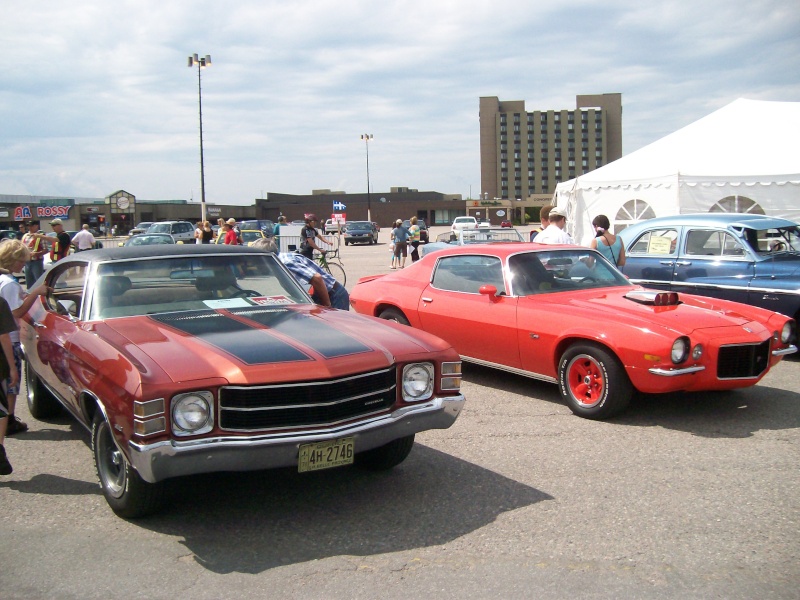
[386,457]
[394,314]
[128,495]
[41,403]
[592,382]
[337,271]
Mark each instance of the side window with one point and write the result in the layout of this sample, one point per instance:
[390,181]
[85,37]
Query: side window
[660,242]
[67,294]
[468,273]
[700,242]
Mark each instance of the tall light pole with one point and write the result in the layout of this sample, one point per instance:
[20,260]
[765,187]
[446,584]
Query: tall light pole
[367,137]
[201,64]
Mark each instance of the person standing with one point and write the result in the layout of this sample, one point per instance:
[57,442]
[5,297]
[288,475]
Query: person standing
[13,256]
[401,235]
[10,373]
[554,233]
[414,236]
[309,237]
[229,234]
[207,233]
[198,232]
[605,242]
[35,266]
[235,227]
[83,240]
[59,247]
[544,217]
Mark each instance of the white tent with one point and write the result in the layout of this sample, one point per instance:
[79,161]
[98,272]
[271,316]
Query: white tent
[741,158]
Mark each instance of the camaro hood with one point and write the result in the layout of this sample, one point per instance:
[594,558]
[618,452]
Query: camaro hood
[268,344]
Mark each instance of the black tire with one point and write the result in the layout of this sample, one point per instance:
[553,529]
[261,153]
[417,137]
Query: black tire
[128,495]
[41,403]
[592,382]
[394,314]
[346,243]
[386,457]
[337,271]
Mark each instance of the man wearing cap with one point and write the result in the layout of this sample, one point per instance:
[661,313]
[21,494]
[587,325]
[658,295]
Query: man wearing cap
[554,233]
[35,266]
[59,247]
[309,237]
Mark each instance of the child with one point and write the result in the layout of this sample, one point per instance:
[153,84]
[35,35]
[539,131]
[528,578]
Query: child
[8,370]
[395,259]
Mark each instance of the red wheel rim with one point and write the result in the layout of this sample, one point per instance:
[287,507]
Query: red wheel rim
[586,380]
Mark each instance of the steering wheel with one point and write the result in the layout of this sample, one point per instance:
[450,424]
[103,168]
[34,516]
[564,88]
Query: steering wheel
[245,294]
[778,247]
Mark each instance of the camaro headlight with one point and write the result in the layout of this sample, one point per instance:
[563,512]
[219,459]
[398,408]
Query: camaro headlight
[697,352]
[787,332]
[680,350]
[417,382]
[192,413]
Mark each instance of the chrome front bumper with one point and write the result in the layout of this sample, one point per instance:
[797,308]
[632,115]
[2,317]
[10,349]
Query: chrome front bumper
[163,460]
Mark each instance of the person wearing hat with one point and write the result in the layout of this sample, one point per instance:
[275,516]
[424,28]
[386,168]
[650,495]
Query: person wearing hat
[309,236]
[35,266]
[554,233]
[59,247]
[401,235]
[235,228]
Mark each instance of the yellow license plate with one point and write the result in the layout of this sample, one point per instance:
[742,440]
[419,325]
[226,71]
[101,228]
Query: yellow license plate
[325,455]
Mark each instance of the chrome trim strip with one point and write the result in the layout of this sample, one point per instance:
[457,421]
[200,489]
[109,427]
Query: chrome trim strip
[676,372]
[790,350]
[486,363]
[735,288]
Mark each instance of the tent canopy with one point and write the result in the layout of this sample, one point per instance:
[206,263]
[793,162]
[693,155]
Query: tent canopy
[740,158]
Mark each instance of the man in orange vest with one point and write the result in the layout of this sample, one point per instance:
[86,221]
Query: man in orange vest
[35,266]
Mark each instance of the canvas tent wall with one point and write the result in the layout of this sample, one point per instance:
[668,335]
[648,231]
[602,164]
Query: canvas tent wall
[740,158]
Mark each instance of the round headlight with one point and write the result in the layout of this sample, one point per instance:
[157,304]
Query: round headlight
[680,350]
[191,413]
[787,333]
[697,352]
[418,382]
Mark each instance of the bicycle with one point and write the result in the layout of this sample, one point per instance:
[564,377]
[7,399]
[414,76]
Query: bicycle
[330,262]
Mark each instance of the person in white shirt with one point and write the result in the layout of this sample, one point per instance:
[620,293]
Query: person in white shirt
[554,233]
[83,240]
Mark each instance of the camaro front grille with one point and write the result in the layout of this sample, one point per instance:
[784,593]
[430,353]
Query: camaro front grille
[308,404]
[742,361]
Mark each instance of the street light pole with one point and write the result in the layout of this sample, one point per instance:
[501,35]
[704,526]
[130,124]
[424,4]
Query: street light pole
[367,137]
[201,63]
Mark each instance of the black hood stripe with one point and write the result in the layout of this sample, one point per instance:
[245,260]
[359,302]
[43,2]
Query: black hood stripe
[227,334]
[312,332]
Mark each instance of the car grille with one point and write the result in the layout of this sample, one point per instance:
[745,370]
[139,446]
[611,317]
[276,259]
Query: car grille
[742,361]
[308,404]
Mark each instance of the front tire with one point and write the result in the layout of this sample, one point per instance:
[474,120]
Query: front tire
[592,382]
[128,495]
[386,457]
[394,314]
[41,403]
[337,271]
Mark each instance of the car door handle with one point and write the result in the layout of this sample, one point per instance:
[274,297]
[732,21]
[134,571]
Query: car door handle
[39,325]
[683,263]
[427,299]
[666,263]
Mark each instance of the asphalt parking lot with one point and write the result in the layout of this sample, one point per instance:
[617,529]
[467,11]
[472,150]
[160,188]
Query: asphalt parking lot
[689,496]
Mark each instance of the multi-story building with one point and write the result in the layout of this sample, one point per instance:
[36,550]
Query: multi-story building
[525,154]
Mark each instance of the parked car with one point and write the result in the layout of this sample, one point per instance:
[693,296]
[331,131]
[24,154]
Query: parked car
[467,237]
[265,225]
[10,234]
[188,359]
[423,229]
[332,226]
[248,236]
[752,259]
[506,224]
[460,223]
[360,232]
[181,231]
[566,315]
[140,228]
[148,239]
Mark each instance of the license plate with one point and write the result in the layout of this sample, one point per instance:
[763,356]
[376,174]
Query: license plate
[325,455]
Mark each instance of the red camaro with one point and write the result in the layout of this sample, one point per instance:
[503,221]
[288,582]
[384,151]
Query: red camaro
[189,359]
[564,314]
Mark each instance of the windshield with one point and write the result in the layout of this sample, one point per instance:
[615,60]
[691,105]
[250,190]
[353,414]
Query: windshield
[172,284]
[770,241]
[159,228]
[562,270]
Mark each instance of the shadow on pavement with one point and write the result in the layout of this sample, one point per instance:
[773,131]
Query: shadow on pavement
[251,522]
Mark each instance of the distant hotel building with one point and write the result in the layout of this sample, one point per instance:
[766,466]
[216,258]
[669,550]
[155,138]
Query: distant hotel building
[524,154]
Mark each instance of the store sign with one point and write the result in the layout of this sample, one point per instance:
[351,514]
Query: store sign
[22,213]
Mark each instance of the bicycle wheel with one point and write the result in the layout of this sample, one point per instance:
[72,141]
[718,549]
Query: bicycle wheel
[337,271]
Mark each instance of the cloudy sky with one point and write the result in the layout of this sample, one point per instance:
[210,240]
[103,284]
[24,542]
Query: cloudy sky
[96,96]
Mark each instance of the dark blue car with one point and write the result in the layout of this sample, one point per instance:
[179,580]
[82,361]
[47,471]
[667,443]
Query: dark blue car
[752,259]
